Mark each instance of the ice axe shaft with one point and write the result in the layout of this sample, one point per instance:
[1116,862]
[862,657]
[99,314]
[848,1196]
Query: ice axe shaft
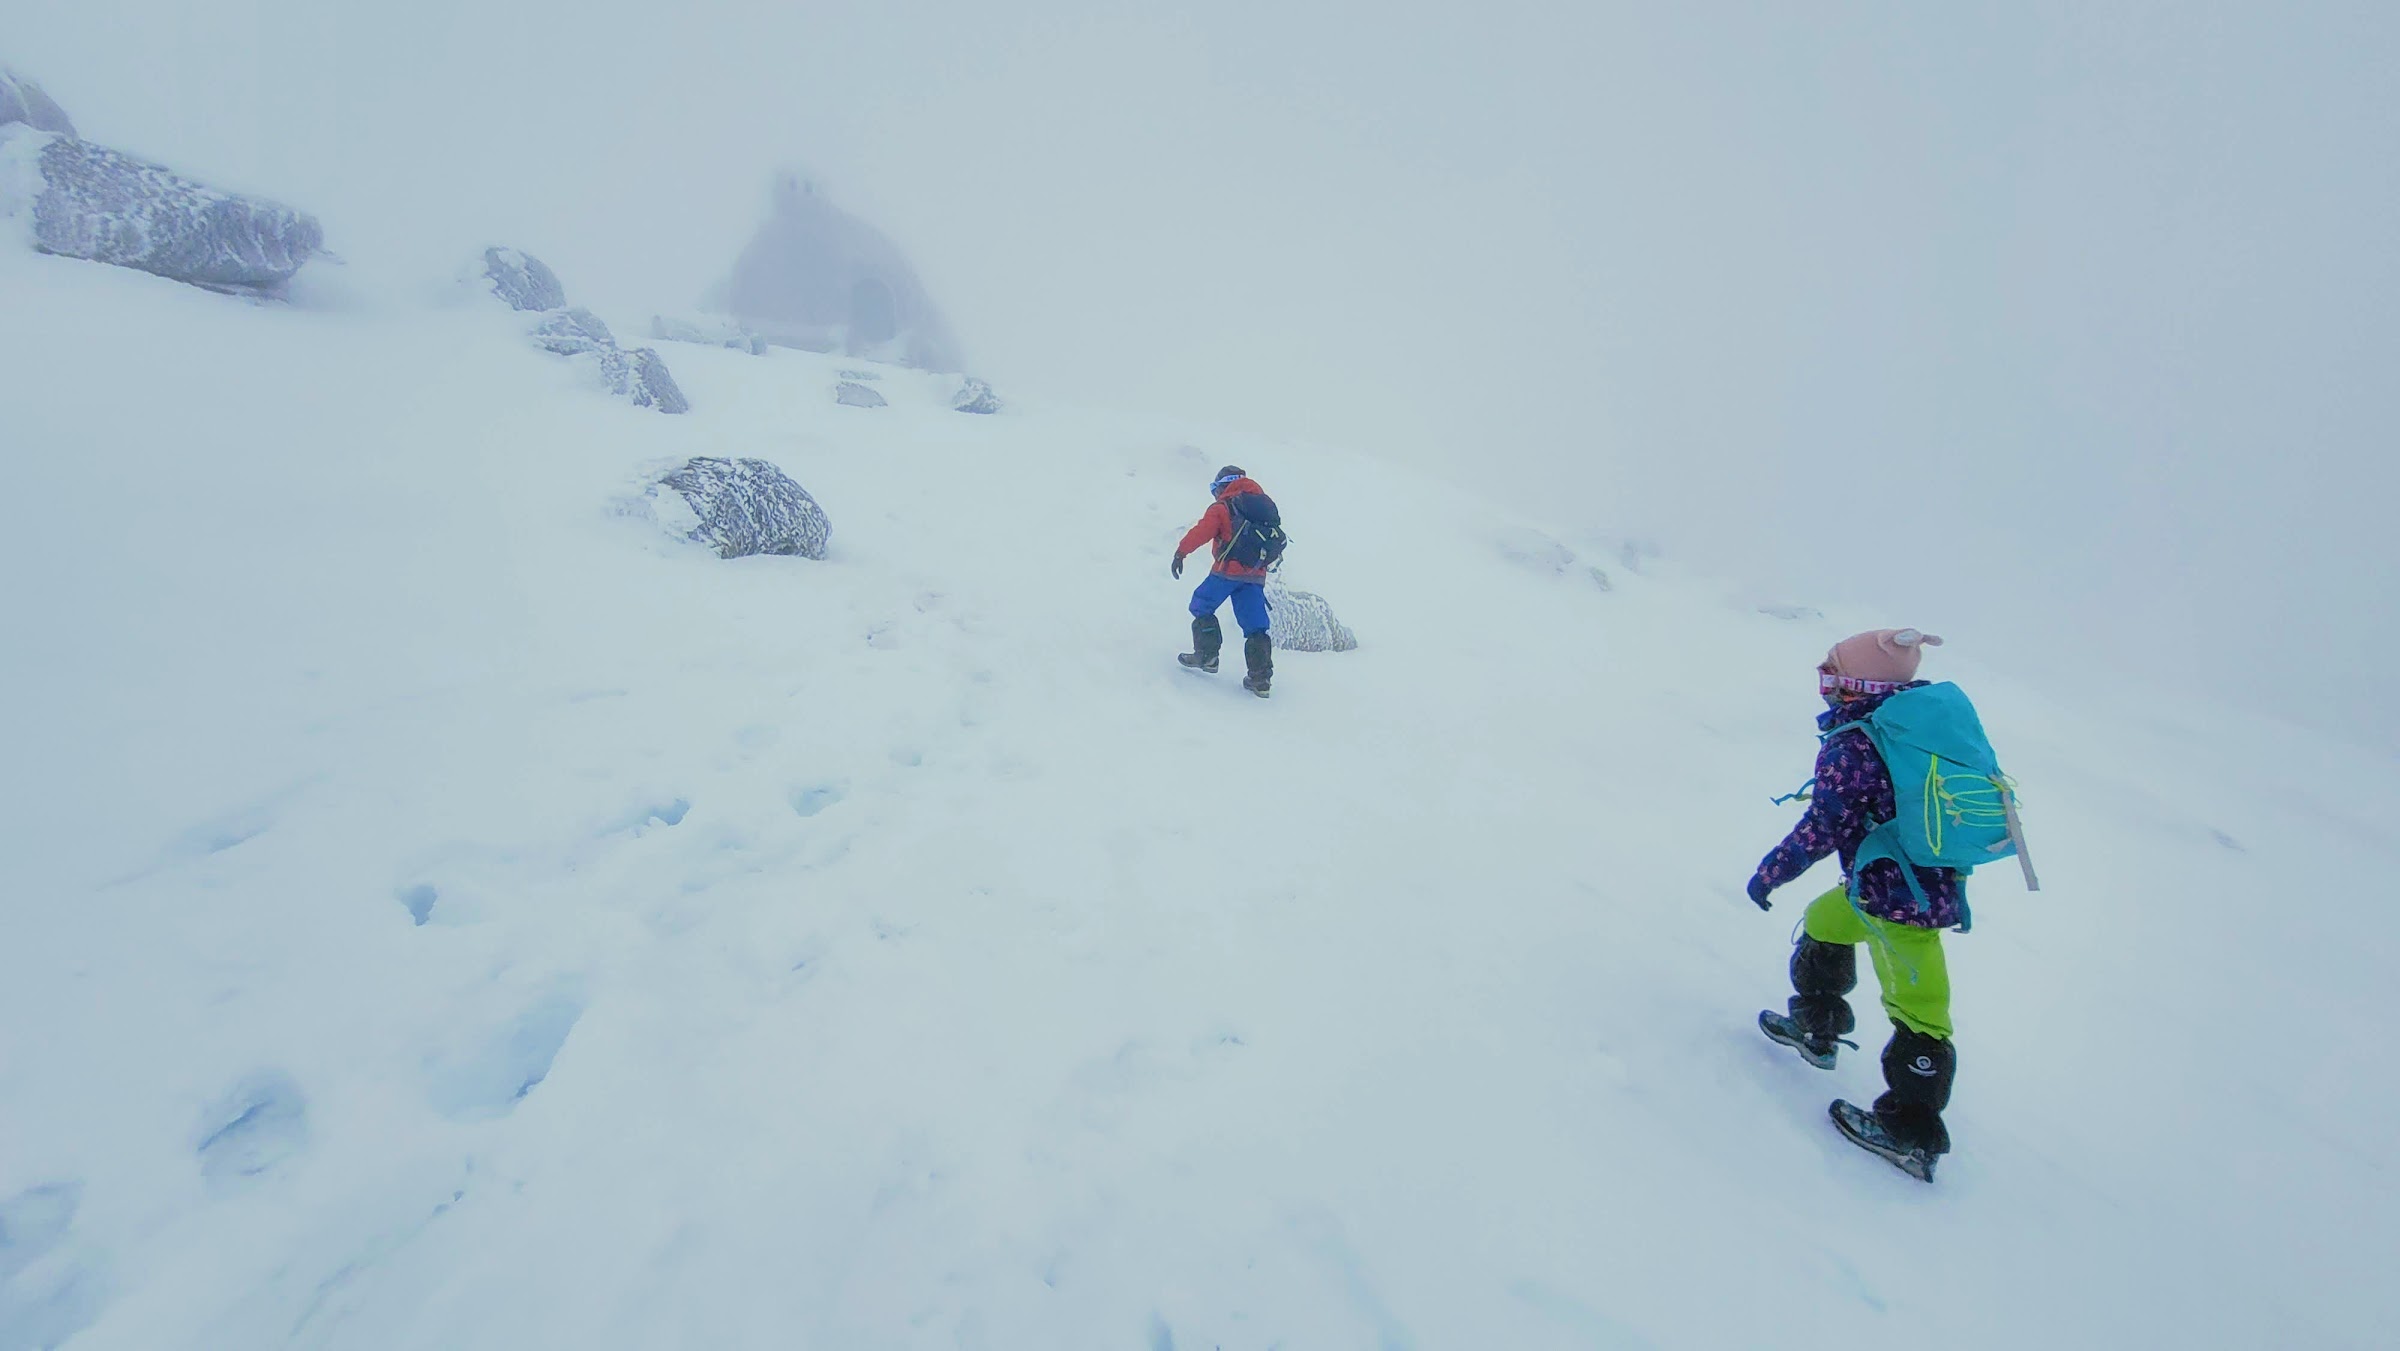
[2016,833]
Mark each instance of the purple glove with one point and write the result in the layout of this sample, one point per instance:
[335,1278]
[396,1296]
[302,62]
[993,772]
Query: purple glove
[1758,892]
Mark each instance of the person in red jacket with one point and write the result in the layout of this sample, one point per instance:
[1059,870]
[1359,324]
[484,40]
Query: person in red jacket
[1245,586]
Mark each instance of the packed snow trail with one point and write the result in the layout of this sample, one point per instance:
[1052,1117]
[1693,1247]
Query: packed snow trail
[445,912]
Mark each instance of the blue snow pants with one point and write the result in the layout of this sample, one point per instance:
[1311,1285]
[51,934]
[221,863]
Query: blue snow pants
[1249,601]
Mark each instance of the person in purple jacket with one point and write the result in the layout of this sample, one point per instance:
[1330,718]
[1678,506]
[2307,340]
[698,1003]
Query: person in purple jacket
[1851,796]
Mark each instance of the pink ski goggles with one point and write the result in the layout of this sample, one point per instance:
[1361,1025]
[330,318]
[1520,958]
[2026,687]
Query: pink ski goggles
[1830,683]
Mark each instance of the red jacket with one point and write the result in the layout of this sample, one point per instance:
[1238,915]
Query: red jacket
[1216,530]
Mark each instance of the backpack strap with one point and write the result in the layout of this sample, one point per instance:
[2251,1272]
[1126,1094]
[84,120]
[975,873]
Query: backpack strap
[1883,842]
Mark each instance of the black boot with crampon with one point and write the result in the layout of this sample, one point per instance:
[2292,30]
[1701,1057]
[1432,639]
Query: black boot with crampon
[1208,638]
[1822,973]
[1905,1126]
[1259,651]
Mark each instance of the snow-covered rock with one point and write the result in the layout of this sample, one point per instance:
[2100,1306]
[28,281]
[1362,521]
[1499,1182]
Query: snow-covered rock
[522,280]
[713,331]
[21,100]
[646,381]
[851,394]
[1302,621]
[740,507]
[1531,549]
[975,396]
[1638,555]
[99,204]
[573,332]
[639,374]
[1535,551]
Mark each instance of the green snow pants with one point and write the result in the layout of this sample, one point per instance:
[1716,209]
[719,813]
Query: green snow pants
[1909,967]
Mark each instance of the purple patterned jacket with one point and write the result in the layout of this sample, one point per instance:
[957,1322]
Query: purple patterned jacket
[1853,795]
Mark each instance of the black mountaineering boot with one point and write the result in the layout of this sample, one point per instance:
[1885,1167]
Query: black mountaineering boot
[1905,1126]
[1917,1070]
[1815,1048]
[1867,1131]
[1259,651]
[1208,638]
[1821,974]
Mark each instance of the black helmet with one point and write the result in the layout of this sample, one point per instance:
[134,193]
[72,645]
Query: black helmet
[1224,476]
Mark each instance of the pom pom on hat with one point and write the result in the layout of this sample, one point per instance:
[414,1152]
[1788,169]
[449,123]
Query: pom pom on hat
[1889,656]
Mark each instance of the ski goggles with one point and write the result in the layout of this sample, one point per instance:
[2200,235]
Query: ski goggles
[1218,485]
[1830,683]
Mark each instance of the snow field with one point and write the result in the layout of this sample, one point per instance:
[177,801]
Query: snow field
[447,911]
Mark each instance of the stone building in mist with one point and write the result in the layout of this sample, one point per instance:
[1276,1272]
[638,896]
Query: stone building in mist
[817,277]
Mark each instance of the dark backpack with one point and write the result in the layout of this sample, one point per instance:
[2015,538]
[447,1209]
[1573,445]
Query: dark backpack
[1258,540]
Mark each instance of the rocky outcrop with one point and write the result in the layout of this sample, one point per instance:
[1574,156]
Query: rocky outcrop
[645,380]
[851,394]
[1302,621]
[573,332]
[975,396]
[523,281]
[22,101]
[88,201]
[639,374]
[740,507]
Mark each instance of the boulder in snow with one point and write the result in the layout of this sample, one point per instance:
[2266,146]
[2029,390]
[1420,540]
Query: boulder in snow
[523,280]
[647,382]
[1302,621]
[21,100]
[640,375]
[574,332]
[98,204]
[975,396]
[739,508]
[852,394]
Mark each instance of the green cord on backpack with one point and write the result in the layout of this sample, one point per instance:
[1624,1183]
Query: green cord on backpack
[1956,809]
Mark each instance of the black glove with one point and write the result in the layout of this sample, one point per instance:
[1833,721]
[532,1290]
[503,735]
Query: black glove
[1178,568]
[1759,891]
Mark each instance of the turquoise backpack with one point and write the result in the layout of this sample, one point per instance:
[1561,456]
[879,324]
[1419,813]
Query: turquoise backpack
[1956,809]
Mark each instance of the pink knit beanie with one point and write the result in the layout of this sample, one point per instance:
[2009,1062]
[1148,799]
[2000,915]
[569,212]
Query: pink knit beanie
[1889,656]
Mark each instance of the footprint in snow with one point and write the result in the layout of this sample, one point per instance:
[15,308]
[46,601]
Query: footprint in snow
[252,1130]
[490,1079]
[642,820]
[44,1305]
[419,900]
[816,798]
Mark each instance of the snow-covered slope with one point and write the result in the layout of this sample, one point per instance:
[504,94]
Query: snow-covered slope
[443,911]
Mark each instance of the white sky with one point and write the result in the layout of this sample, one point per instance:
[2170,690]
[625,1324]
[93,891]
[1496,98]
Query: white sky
[2069,329]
